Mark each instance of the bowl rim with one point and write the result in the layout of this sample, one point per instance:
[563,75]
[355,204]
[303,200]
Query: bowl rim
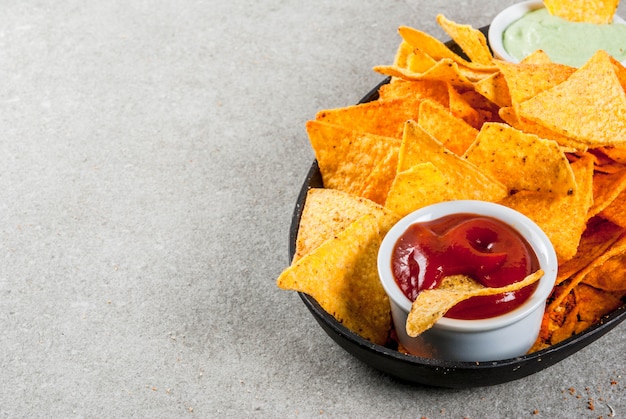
[509,15]
[533,234]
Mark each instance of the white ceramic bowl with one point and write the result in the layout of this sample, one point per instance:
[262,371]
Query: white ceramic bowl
[509,15]
[502,337]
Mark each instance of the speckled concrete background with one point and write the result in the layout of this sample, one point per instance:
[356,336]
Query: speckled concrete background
[150,157]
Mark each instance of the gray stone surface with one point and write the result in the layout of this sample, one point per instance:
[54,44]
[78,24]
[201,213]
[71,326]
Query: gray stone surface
[150,157]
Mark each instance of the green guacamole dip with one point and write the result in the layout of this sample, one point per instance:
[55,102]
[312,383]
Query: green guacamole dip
[565,42]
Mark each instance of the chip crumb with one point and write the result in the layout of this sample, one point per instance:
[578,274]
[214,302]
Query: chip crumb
[590,404]
[536,412]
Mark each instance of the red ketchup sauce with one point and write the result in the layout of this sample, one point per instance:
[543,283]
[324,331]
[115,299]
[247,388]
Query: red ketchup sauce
[482,247]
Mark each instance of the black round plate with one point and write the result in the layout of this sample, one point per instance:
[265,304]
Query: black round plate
[435,372]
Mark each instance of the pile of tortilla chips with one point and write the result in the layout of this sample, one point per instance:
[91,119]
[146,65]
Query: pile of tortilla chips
[542,138]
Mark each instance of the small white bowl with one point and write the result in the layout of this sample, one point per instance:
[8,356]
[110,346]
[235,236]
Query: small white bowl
[506,336]
[509,15]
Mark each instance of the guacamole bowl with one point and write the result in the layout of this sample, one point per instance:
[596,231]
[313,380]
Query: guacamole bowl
[565,42]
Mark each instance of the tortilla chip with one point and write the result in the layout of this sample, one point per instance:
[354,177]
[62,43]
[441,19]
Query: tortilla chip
[610,276]
[509,116]
[437,49]
[378,117]
[445,70]
[419,62]
[527,80]
[522,162]
[599,235]
[460,108]
[616,249]
[576,108]
[618,154]
[424,89]
[593,304]
[589,11]
[347,158]
[564,218]
[417,187]
[454,133]
[616,210]
[471,40]
[432,304]
[327,212]
[341,275]
[495,89]
[606,188]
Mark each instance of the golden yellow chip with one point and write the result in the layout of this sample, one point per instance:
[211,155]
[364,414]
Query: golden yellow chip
[341,275]
[606,188]
[527,80]
[610,275]
[617,248]
[599,235]
[417,187]
[429,173]
[495,89]
[563,218]
[471,40]
[460,108]
[590,106]
[327,212]
[454,133]
[445,70]
[509,116]
[617,154]
[523,162]
[419,62]
[589,11]
[616,210]
[437,49]
[402,54]
[593,304]
[424,89]
[379,117]
[432,304]
[347,158]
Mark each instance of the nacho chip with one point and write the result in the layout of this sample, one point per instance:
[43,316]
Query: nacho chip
[445,70]
[341,275]
[432,304]
[610,275]
[495,89]
[509,116]
[347,158]
[593,304]
[618,154]
[589,11]
[429,173]
[378,117]
[527,80]
[523,162]
[589,106]
[417,187]
[606,188]
[471,40]
[424,89]
[419,62]
[616,249]
[327,212]
[437,49]
[564,218]
[616,210]
[599,235]
[460,108]
[453,132]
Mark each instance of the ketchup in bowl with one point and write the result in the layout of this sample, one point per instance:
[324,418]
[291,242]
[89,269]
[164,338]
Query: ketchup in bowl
[484,248]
